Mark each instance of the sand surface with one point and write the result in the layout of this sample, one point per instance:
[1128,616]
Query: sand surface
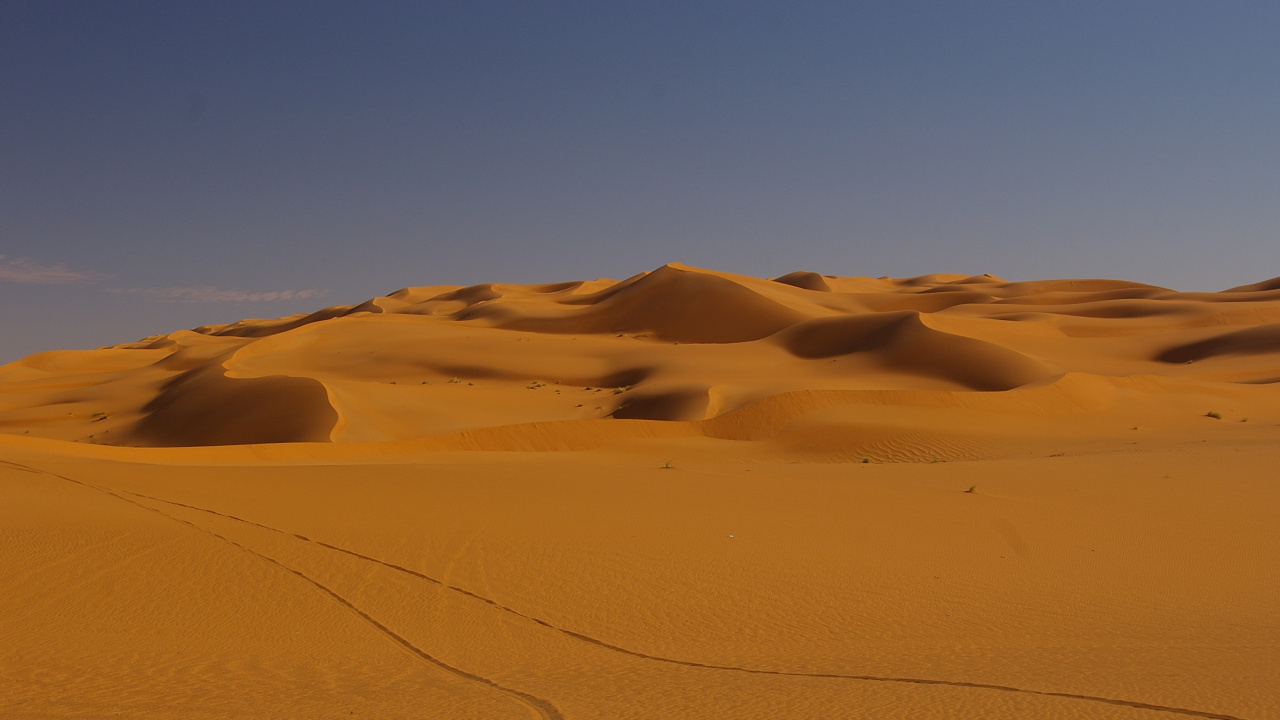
[688,494]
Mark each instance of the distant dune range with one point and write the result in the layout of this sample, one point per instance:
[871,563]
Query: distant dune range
[528,367]
[688,494]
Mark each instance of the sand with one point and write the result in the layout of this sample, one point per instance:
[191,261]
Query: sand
[688,494]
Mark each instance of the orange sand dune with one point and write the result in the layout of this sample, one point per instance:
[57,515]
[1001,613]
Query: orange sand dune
[676,344]
[688,494]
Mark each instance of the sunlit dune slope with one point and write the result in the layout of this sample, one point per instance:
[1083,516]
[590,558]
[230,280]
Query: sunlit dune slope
[841,366]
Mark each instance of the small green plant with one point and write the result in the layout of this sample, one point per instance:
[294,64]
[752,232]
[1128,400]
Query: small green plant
[1214,414]
[866,460]
[455,380]
[668,466]
[973,489]
[1244,419]
[621,389]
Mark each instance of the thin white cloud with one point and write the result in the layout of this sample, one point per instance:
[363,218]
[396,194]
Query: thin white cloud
[30,272]
[209,294]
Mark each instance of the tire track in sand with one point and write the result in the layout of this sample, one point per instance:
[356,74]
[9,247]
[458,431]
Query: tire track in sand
[1137,705]
[541,707]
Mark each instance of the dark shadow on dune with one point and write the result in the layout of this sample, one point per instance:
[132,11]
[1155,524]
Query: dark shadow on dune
[923,302]
[901,341]
[205,407]
[1249,341]
[690,404]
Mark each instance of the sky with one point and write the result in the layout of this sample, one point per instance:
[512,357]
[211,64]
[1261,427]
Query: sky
[166,165]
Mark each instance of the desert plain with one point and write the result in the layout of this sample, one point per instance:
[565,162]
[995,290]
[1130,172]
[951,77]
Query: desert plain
[688,494]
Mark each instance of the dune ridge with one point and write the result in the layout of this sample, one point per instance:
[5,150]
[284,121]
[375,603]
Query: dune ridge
[728,356]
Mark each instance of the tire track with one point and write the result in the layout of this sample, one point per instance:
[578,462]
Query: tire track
[1137,705]
[541,707]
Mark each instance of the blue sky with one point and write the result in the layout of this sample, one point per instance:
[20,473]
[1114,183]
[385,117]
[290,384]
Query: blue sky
[165,165]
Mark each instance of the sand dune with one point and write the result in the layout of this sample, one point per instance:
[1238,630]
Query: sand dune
[686,494]
[676,344]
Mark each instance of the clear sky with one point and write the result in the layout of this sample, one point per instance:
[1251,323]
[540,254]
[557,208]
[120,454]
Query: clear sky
[169,164]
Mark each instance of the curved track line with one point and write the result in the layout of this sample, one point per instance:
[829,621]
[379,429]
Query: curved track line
[542,707]
[708,666]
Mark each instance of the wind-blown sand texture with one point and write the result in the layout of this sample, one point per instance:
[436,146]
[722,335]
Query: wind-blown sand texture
[688,494]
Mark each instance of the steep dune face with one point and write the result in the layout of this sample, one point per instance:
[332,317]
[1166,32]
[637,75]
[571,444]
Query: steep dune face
[903,342]
[1262,340]
[726,355]
[205,407]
